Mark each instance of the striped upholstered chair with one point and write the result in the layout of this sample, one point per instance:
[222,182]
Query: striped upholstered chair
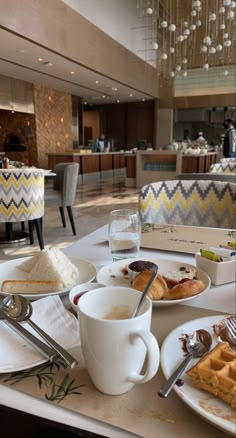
[194,203]
[22,199]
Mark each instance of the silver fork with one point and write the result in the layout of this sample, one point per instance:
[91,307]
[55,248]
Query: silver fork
[231,326]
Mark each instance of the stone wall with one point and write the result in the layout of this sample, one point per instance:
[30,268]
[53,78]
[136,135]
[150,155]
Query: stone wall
[53,117]
[19,124]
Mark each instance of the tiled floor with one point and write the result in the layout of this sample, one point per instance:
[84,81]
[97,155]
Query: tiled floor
[91,210]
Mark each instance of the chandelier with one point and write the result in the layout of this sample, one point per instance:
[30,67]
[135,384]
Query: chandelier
[181,35]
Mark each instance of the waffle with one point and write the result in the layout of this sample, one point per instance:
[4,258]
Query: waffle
[216,373]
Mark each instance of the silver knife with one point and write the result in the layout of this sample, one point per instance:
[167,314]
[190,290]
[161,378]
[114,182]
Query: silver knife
[47,352]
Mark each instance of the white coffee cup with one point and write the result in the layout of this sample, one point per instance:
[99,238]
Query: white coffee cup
[115,349]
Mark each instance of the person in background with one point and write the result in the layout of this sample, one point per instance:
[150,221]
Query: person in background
[229,146]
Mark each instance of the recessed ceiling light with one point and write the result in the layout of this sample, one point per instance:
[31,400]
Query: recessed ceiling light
[21,51]
[40,59]
[97,82]
[118,101]
[85,103]
[48,64]
[131,94]
[143,100]
[114,89]
[72,72]
[103,97]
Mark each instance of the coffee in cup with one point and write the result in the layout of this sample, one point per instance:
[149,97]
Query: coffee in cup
[115,345]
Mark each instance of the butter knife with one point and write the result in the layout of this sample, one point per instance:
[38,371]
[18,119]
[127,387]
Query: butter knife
[47,352]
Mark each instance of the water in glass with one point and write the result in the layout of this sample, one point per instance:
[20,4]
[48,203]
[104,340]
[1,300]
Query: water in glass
[124,234]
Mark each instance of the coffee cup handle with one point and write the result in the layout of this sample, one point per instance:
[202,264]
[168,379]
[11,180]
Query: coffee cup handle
[153,357]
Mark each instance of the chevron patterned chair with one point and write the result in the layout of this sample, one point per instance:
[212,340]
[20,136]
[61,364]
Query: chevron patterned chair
[225,167]
[228,160]
[22,199]
[193,203]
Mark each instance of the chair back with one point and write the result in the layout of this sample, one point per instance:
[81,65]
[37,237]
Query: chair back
[225,167]
[227,177]
[21,194]
[193,203]
[66,181]
[228,160]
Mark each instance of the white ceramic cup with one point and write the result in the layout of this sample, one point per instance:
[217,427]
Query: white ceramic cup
[115,350]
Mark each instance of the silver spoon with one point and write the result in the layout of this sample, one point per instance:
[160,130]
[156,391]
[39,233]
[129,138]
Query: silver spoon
[19,308]
[197,345]
[151,280]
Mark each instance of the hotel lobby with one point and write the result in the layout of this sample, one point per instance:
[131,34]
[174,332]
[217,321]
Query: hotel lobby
[135,92]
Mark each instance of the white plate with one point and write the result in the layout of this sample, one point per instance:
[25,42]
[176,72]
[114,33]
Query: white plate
[111,275]
[203,403]
[17,354]
[9,271]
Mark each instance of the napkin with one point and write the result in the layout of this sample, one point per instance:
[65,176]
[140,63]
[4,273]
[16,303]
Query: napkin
[50,314]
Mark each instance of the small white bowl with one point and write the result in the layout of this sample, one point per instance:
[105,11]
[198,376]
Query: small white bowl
[80,289]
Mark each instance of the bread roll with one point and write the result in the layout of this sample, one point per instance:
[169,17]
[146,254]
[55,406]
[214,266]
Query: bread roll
[30,286]
[184,290]
[158,289]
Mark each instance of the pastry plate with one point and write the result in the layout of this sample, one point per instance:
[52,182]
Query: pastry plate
[9,271]
[212,409]
[111,275]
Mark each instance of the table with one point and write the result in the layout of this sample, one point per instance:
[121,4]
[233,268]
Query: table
[221,299]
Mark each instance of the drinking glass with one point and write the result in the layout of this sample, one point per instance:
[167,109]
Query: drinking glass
[124,234]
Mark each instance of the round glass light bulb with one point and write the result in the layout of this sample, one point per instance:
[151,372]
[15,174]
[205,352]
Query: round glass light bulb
[178,67]
[206,66]
[230,15]
[219,47]
[155,46]
[198,23]
[164,24]
[227,2]
[180,38]
[212,50]
[227,43]
[193,13]
[149,11]
[164,56]
[193,27]
[185,61]
[233,4]
[172,27]
[222,26]
[185,73]
[226,36]
[187,32]
[226,72]
[221,10]
[172,74]
[172,50]
[204,49]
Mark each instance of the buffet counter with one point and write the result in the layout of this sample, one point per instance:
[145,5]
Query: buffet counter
[138,169]
[93,166]
[146,167]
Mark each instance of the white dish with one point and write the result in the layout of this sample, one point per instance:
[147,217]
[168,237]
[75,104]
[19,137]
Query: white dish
[111,275]
[9,271]
[212,409]
[17,354]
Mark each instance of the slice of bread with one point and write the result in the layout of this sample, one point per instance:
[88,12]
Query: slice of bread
[30,286]
[28,265]
[54,265]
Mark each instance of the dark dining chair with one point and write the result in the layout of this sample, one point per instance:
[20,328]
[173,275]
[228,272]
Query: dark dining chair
[64,190]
